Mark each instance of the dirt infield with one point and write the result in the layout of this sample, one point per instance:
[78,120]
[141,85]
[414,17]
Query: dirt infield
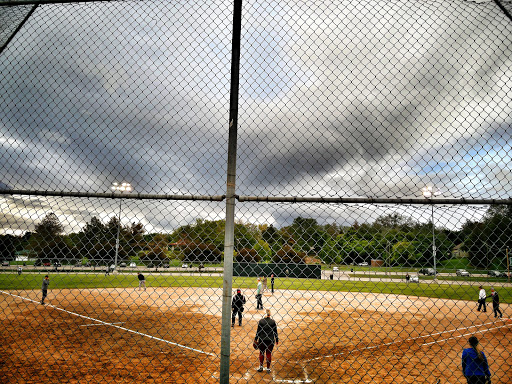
[172,335]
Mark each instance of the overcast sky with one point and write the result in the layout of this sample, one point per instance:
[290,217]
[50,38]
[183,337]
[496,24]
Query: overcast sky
[337,99]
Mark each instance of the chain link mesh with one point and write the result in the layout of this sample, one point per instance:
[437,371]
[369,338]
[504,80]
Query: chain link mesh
[114,146]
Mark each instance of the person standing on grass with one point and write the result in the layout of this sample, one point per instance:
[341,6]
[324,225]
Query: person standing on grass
[481,299]
[474,364]
[272,283]
[237,305]
[142,281]
[266,338]
[259,292]
[44,288]
[496,303]
[264,282]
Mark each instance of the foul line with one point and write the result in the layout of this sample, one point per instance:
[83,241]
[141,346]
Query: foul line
[95,325]
[110,324]
[412,339]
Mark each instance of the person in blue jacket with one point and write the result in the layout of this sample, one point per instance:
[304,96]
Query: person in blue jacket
[474,364]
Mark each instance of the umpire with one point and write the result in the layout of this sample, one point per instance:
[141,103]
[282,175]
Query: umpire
[496,303]
[266,337]
[237,305]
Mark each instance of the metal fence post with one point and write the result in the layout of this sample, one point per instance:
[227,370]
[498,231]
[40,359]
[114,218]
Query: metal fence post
[230,196]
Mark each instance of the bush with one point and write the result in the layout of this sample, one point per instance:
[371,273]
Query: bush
[247,255]
[289,255]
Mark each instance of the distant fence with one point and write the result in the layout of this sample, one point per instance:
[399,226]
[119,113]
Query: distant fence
[300,271]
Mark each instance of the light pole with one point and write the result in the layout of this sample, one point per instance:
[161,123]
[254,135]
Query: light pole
[428,193]
[121,187]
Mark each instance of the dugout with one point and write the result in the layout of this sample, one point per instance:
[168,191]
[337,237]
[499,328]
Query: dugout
[301,271]
[377,263]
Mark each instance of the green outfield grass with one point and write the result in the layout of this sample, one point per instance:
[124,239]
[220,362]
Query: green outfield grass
[484,280]
[96,281]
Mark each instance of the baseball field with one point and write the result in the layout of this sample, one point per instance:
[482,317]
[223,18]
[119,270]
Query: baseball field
[173,335]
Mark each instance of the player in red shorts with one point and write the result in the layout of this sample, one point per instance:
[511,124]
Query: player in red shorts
[266,338]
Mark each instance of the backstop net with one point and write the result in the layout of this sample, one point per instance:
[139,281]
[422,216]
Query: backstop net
[255,192]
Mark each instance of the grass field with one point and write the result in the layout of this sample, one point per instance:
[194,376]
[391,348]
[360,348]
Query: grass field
[30,281]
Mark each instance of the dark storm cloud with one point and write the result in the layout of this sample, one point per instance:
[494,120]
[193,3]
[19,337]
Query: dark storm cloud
[371,99]
[321,151]
[102,112]
[378,101]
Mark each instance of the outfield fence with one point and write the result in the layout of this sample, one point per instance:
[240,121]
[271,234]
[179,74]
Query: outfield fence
[345,165]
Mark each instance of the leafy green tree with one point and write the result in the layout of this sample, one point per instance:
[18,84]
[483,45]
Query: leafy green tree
[201,253]
[203,231]
[332,230]
[157,253]
[271,235]
[394,220]
[309,237]
[404,253]
[8,246]
[125,241]
[274,239]
[211,232]
[486,242]
[358,250]
[289,255]
[97,241]
[247,255]
[330,252]
[135,238]
[94,241]
[47,241]
[49,227]
[204,240]
[246,236]
[263,250]
[394,238]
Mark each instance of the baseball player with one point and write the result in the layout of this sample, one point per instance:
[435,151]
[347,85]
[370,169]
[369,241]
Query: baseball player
[237,305]
[481,299]
[142,281]
[496,303]
[266,338]
[44,288]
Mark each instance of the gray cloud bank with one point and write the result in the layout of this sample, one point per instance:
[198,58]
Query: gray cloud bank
[397,96]
[352,99]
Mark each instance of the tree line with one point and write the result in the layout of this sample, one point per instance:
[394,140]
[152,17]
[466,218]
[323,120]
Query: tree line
[395,239]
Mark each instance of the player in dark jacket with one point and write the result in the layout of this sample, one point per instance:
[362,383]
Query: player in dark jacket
[496,303]
[44,288]
[266,337]
[237,305]
[142,281]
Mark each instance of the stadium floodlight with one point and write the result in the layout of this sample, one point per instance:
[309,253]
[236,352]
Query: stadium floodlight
[428,193]
[119,187]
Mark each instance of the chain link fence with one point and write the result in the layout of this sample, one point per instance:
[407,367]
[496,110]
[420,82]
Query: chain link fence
[171,171]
